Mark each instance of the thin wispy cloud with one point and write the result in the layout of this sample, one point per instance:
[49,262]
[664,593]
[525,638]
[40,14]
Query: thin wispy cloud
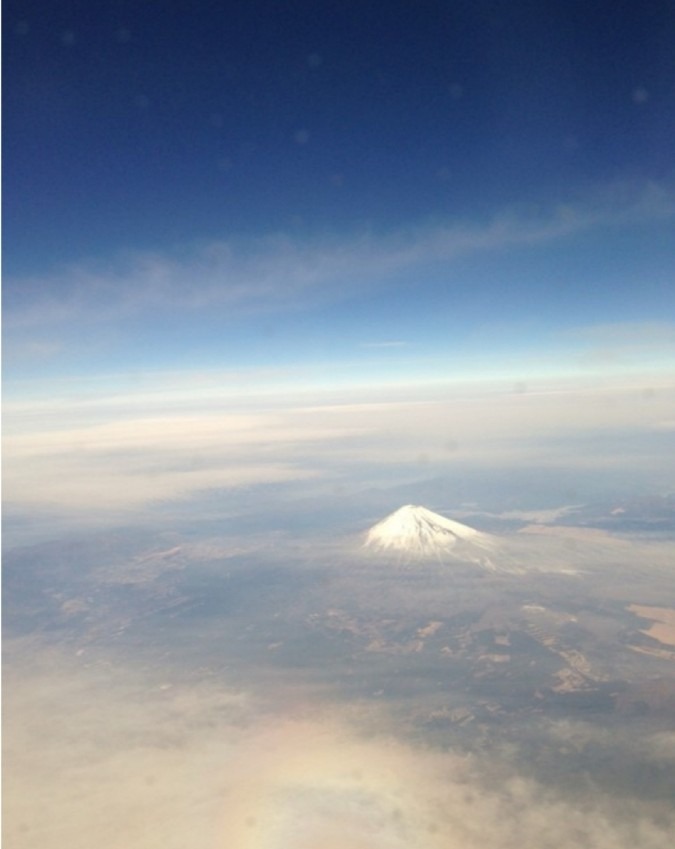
[622,345]
[265,275]
[394,343]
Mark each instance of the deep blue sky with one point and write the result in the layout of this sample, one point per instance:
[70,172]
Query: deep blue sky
[227,184]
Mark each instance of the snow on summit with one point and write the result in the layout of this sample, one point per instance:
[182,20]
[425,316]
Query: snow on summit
[417,531]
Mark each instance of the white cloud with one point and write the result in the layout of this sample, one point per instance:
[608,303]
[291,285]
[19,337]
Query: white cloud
[99,754]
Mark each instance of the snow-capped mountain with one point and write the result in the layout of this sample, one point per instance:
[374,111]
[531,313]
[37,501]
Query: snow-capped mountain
[415,532]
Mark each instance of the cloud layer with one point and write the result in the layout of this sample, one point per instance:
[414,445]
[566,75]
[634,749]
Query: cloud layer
[123,452]
[97,755]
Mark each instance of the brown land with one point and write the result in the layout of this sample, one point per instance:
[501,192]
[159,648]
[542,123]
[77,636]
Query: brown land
[663,629]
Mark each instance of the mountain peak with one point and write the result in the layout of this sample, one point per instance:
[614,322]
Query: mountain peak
[416,530]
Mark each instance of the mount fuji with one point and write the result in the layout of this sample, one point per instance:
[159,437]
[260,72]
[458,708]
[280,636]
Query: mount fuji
[416,533]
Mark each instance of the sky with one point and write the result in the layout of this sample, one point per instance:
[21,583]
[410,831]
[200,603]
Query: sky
[278,198]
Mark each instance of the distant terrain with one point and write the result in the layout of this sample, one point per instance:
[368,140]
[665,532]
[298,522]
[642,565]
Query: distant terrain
[547,650]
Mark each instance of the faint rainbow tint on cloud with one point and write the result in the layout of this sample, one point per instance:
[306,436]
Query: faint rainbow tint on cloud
[319,783]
